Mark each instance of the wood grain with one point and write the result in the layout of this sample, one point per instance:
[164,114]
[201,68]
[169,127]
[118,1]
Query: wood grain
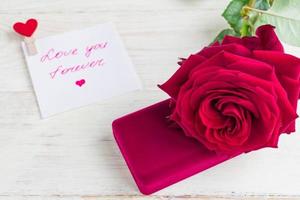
[73,155]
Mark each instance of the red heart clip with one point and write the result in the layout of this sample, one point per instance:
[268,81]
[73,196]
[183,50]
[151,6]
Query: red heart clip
[26,29]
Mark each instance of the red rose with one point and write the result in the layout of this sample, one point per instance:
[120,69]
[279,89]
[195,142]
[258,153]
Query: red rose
[239,95]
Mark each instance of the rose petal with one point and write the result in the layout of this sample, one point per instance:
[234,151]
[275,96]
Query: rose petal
[265,39]
[268,38]
[232,48]
[173,85]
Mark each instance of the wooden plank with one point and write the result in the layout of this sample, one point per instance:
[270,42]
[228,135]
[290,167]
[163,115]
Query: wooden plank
[154,43]
[137,197]
[188,197]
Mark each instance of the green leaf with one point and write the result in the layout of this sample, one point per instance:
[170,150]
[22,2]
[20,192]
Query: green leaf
[262,4]
[284,15]
[233,14]
[238,18]
[224,32]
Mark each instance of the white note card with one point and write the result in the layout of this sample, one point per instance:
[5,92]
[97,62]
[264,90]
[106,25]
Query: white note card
[78,68]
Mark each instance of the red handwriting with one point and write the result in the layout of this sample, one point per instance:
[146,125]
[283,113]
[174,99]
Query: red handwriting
[91,48]
[60,70]
[53,54]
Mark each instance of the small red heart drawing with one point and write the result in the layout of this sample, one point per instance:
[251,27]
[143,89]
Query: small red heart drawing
[26,29]
[80,82]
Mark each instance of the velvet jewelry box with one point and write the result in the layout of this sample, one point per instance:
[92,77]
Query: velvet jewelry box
[158,154]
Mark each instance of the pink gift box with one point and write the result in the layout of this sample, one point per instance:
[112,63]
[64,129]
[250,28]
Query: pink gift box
[158,154]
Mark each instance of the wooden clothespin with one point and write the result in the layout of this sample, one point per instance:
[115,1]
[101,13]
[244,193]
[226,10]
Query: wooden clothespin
[27,30]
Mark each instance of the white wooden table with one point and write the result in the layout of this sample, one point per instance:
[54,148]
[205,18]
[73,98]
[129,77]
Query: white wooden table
[73,155]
